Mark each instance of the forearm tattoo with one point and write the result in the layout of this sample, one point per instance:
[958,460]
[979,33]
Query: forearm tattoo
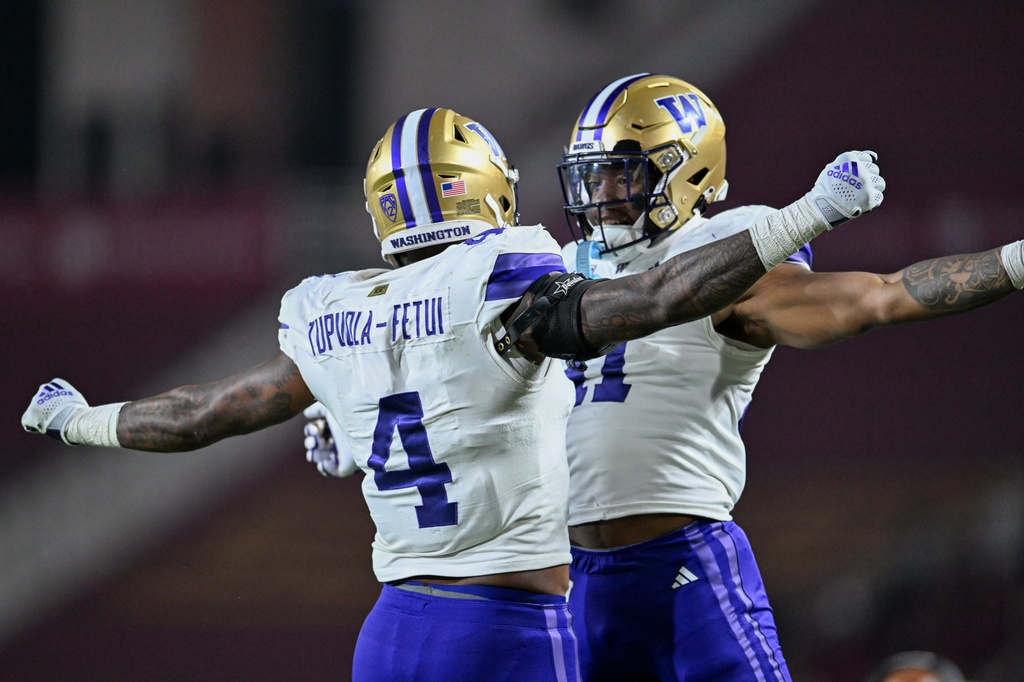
[957,283]
[687,287]
[191,417]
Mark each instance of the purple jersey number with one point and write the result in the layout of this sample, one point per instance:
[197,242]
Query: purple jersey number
[404,411]
[613,387]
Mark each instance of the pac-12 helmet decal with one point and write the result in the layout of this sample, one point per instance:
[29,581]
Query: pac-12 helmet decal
[437,177]
[665,140]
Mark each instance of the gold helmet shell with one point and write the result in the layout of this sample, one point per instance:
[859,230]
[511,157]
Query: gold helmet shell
[437,177]
[662,123]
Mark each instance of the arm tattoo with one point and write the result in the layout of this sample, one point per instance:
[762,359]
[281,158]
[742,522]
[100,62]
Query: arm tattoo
[957,283]
[687,287]
[192,417]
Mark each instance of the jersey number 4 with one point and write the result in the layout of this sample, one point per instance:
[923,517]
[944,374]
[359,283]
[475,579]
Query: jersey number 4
[404,412]
[612,388]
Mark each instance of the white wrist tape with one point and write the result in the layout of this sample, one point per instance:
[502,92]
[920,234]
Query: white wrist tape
[781,233]
[1013,261]
[93,426]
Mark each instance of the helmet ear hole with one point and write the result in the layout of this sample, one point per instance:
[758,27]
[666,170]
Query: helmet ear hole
[375,154]
[654,176]
[697,177]
[505,203]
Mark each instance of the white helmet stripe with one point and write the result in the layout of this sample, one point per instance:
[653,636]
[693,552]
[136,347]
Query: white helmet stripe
[411,189]
[596,111]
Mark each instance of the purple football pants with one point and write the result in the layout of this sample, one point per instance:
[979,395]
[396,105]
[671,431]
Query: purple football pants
[466,634]
[688,605]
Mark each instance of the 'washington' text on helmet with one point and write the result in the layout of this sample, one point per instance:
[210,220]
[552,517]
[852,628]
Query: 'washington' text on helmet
[437,177]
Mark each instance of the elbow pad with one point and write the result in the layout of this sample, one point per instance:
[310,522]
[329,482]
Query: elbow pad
[554,318]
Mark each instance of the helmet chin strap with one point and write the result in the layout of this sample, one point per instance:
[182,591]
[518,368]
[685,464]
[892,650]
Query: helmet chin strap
[623,242]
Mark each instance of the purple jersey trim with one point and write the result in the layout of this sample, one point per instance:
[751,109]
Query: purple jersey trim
[513,273]
[804,255]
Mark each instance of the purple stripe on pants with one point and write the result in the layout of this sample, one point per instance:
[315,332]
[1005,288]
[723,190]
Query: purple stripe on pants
[717,551]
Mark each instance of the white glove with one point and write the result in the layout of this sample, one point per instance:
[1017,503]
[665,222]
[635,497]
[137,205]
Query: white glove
[50,409]
[330,454]
[848,187]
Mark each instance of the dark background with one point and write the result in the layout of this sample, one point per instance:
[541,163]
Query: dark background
[169,168]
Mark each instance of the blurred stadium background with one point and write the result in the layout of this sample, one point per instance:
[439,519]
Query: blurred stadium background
[170,167]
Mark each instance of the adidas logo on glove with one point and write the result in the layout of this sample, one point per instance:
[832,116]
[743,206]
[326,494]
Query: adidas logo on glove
[52,390]
[846,172]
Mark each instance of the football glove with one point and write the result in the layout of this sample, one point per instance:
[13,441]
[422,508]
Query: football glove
[325,445]
[848,187]
[50,409]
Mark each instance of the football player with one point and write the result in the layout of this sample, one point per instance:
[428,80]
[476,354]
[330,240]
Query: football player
[665,585]
[440,376]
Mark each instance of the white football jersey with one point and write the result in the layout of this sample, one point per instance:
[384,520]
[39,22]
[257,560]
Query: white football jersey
[656,426]
[463,451]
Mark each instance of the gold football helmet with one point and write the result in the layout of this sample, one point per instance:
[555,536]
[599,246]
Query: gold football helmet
[437,177]
[664,140]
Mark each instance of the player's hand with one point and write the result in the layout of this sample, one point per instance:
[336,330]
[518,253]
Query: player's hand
[848,187]
[330,454]
[51,407]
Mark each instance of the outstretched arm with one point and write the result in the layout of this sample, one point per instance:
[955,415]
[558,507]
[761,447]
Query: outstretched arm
[191,417]
[803,309]
[184,418]
[575,318]
[690,286]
